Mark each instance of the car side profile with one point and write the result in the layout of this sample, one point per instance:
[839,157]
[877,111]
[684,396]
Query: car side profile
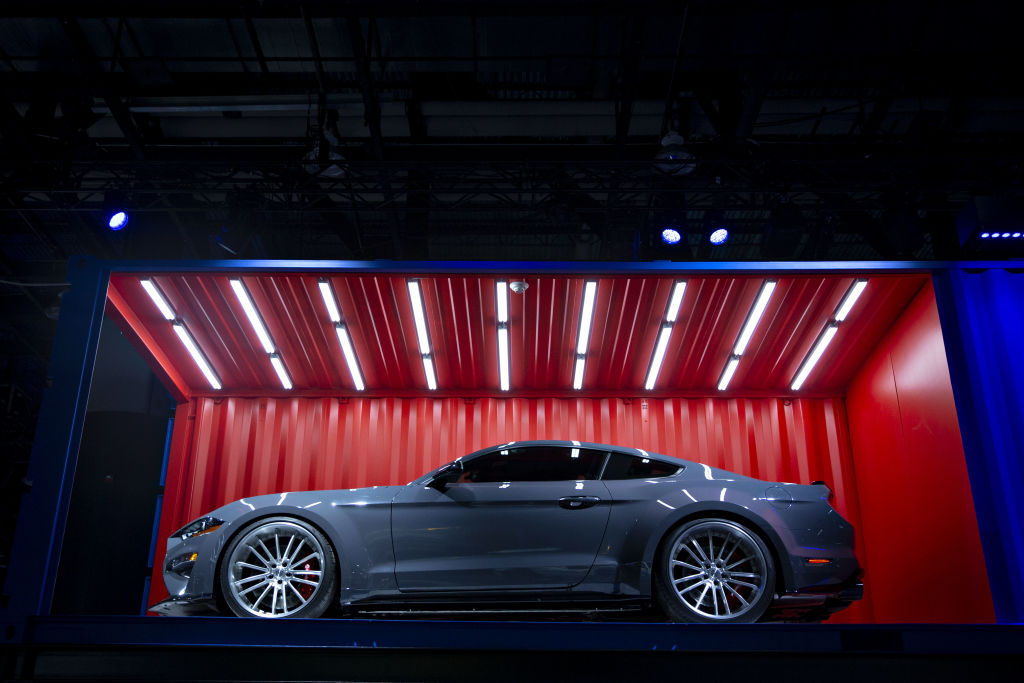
[563,524]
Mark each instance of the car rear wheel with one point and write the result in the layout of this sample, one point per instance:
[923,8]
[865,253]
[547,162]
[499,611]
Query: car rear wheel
[278,567]
[714,571]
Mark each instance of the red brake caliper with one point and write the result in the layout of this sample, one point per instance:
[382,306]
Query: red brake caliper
[305,590]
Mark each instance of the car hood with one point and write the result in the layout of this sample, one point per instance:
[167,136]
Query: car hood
[309,500]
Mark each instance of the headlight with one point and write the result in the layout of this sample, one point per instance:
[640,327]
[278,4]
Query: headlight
[203,525]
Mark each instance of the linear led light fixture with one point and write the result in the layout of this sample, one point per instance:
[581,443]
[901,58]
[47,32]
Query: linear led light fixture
[183,334]
[334,313]
[350,356]
[671,313]
[279,368]
[158,298]
[826,336]
[197,355]
[416,298]
[242,294]
[812,358]
[849,299]
[754,316]
[583,333]
[728,372]
[501,302]
[332,306]
[746,332]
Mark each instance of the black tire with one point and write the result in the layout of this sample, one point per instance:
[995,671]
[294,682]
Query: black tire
[278,561]
[714,570]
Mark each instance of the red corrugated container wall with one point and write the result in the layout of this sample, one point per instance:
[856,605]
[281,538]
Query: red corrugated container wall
[916,507]
[225,449]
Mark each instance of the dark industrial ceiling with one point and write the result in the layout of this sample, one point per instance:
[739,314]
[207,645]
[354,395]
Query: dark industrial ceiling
[495,130]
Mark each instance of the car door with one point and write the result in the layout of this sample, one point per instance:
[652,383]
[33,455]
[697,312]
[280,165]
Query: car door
[517,518]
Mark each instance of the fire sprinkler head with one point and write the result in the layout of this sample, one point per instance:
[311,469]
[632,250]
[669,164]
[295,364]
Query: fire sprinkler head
[518,286]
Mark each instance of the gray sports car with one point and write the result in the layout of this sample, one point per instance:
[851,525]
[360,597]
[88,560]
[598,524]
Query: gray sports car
[530,526]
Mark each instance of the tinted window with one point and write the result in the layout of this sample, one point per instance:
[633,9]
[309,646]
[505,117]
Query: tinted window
[622,466]
[537,463]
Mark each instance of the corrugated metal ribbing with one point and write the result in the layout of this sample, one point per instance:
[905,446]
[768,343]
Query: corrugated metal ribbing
[543,322]
[244,447]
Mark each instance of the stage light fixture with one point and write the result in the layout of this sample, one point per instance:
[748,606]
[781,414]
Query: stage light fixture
[117,220]
[671,236]
[719,236]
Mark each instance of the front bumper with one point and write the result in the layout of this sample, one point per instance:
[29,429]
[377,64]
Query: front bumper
[187,606]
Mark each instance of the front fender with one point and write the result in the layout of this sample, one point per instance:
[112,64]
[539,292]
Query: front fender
[360,535]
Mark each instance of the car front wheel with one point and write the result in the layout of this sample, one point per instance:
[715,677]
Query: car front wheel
[278,567]
[714,571]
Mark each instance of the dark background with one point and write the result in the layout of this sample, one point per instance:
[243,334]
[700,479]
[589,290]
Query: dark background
[456,130]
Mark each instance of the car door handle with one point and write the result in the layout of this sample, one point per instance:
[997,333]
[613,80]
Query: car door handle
[578,502]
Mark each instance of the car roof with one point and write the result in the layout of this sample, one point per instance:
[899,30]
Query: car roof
[568,443]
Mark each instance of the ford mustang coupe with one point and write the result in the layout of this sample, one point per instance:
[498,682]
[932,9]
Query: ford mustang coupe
[529,525]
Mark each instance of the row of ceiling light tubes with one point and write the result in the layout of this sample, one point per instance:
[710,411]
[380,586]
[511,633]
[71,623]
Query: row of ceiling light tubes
[584,328]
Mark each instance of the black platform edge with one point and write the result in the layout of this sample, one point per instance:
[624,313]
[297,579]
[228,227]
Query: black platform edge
[220,649]
[523,635]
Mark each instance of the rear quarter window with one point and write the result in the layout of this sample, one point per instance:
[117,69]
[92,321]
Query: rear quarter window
[622,466]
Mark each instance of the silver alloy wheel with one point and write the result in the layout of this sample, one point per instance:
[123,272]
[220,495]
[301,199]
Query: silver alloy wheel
[718,570]
[276,569]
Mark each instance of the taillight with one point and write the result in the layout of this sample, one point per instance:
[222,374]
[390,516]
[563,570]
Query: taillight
[830,497]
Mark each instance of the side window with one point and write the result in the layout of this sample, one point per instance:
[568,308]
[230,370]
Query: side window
[534,463]
[622,466]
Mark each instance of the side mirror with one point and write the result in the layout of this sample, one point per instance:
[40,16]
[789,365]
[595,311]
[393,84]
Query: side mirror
[446,476]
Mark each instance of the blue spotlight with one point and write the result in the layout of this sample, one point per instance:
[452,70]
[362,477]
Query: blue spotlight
[984,235]
[1006,234]
[117,220]
[1016,234]
[670,236]
[719,236]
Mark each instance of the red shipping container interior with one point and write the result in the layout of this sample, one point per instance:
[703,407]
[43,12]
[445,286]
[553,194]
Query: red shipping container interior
[875,420]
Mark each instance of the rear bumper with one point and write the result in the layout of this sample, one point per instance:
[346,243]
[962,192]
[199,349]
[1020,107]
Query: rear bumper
[818,603]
